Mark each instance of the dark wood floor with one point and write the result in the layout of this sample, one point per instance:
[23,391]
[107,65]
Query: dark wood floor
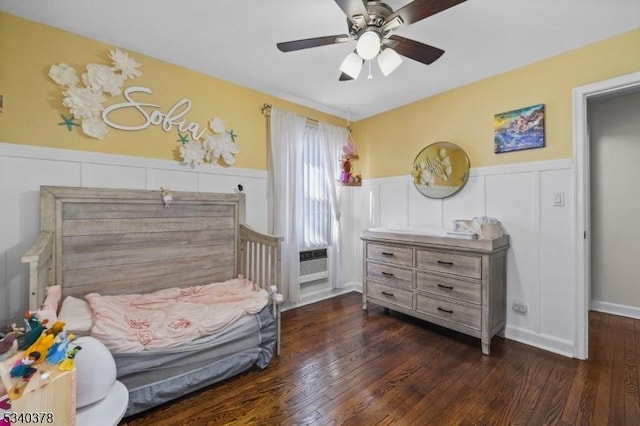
[342,366]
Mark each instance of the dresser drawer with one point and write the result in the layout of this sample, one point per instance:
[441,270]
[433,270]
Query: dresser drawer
[451,263]
[397,296]
[391,254]
[465,290]
[460,314]
[390,274]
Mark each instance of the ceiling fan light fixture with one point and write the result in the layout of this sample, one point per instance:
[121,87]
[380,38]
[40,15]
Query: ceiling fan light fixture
[352,65]
[368,45]
[388,60]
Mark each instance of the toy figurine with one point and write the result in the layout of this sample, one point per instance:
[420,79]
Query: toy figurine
[56,328]
[16,390]
[67,364]
[41,345]
[33,331]
[345,176]
[167,197]
[58,351]
[23,365]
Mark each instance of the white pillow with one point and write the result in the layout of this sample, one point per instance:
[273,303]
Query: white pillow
[76,315]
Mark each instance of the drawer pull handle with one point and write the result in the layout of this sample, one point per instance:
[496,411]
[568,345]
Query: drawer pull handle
[386,253]
[446,287]
[445,310]
[386,274]
[387,294]
[442,262]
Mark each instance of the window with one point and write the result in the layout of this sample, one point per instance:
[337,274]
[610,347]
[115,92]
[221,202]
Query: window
[316,214]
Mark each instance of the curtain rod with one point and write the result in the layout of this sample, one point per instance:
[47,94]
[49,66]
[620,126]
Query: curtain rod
[266,111]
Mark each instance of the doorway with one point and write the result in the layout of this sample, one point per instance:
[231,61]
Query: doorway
[581,96]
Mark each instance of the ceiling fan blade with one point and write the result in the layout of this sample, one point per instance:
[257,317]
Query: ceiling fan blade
[421,9]
[290,46]
[345,77]
[353,8]
[415,50]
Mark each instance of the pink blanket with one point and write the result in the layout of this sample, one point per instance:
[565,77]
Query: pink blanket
[170,317]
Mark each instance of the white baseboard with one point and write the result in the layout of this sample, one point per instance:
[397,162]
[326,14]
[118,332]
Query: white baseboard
[317,296]
[547,343]
[615,309]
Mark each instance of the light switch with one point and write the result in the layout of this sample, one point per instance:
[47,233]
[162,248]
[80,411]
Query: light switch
[558,199]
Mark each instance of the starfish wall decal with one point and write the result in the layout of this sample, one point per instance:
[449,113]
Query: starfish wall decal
[68,122]
[183,138]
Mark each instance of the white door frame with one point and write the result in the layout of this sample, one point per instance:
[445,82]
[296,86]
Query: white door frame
[582,232]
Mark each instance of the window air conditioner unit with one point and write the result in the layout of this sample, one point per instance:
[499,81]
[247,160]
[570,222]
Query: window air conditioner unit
[314,265]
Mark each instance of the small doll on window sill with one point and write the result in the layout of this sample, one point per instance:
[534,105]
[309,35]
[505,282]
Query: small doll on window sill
[345,176]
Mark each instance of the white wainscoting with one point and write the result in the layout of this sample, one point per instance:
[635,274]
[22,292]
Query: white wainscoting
[541,258]
[23,169]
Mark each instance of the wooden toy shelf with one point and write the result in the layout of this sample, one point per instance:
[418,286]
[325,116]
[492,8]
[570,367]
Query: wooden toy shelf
[49,395]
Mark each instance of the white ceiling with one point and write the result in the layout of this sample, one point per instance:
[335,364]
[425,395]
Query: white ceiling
[235,40]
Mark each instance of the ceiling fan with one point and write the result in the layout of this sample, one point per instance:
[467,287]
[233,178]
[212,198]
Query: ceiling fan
[370,24]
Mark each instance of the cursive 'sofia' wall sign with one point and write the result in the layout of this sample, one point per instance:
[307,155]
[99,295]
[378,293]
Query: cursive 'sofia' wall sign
[85,96]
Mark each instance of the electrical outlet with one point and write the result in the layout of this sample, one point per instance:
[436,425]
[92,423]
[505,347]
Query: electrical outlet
[519,306]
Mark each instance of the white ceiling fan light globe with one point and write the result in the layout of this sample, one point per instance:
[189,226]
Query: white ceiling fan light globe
[368,45]
[352,65]
[388,61]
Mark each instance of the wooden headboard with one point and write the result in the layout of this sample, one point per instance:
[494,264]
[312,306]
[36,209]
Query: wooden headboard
[119,241]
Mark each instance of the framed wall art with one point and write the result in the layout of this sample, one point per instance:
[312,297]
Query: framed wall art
[440,170]
[519,129]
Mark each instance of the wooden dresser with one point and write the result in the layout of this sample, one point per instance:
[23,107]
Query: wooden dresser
[455,283]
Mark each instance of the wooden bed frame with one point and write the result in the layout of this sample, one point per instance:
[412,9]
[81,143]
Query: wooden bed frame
[121,241]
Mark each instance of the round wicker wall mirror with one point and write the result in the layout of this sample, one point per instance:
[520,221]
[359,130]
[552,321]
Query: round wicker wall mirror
[440,170]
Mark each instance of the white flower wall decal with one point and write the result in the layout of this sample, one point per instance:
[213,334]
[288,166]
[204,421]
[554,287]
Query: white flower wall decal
[82,102]
[124,63]
[217,125]
[102,78]
[95,127]
[214,146]
[85,97]
[192,153]
[64,75]
[87,103]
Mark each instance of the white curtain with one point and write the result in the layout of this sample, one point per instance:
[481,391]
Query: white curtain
[286,130]
[333,139]
[291,188]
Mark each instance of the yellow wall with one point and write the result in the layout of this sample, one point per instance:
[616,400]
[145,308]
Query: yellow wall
[33,102]
[388,143]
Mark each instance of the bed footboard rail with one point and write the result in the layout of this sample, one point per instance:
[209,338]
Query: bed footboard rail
[259,257]
[259,261]
[40,258]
